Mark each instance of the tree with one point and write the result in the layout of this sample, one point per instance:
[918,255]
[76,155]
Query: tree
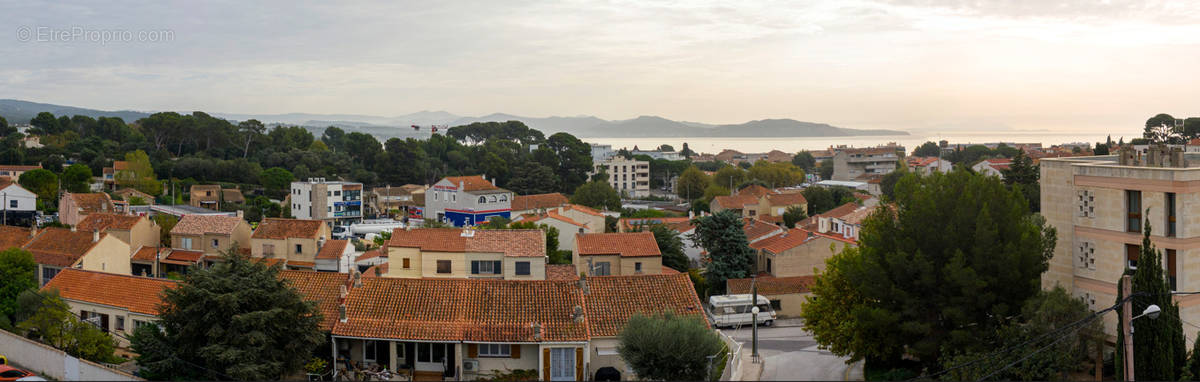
[597,195]
[826,169]
[276,179]
[574,160]
[691,183]
[953,289]
[820,200]
[729,176]
[686,152]
[1191,128]
[927,149]
[666,148]
[251,129]
[1160,351]
[793,215]
[669,347]
[256,337]
[1101,149]
[1023,175]
[138,174]
[166,222]
[780,174]
[45,123]
[17,274]
[77,178]
[671,246]
[5,129]
[887,185]
[805,161]
[532,179]
[729,253]
[52,323]
[41,182]
[1158,121]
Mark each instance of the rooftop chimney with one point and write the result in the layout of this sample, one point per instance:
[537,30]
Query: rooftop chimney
[577,314]
[72,228]
[95,235]
[357,279]
[537,331]
[241,214]
[583,281]
[342,291]
[33,231]
[342,312]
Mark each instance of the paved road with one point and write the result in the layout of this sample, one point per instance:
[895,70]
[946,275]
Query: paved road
[791,354]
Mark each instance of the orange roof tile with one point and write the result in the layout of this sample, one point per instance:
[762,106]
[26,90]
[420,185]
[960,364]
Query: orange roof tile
[372,254]
[612,300]
[583,209]
[472,183]
[735,202]
[322,287]
[183,255]
[668,270]
[276,228]
[628,244]
[510,242]
[107,221]
[534,218]
[756,229]
[545,201]
[145,253]
[120,165]
[137,294]
[60,247]
[14,237]
[382,269]
[561,272]
[786,199]
[206,224]
[770,285]
[93,202]
[300,264]
[463,310]
[15,167]
[333,249]
[755,190]
[840,211]
[782,242]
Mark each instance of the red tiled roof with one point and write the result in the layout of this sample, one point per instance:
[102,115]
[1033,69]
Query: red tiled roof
[120,165]
[333,249]
[206,224]
[779,243]
[628,244]
[668,270]
[275,228]
[137,294]
[534,218]
[530,202]
[770,285]
[510,242]
[93,202]
[841,210]
[322,287]
[183,255]
[381,252]
[786,199]
[756,229]
[561,272]
[381,268]
[857,216]
[735,202]
[612,300]
[755,190]
[14,237]
[995,161]
[60,247]
[472,183]
[145,253]
[106,221]
[464,310]
[15,167]
[583,209]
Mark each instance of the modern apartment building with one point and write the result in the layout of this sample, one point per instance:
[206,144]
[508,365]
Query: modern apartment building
[333,202]
[1099,204]
[627,176]
[849,164]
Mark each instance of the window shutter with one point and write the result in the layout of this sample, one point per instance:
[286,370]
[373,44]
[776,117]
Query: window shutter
[472,350]
[474,267]
[546,364]
[578,364]
[496,267]
[515,351]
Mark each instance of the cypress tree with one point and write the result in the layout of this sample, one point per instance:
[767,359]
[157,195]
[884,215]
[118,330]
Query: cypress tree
[1160,351]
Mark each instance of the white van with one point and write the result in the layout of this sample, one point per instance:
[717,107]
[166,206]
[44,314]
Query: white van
[735,310]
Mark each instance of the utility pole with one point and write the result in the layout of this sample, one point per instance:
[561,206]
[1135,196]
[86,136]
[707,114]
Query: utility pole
[754,303]
[1127,324]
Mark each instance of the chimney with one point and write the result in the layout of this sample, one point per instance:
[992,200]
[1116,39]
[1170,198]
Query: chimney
[691,214]
[378,271]
[461,185]
[33,231]
[342,312]
[357,279]
[73,229]
[583,282]
[537,331]
[577,314]
[95,235]
[241,214]
[342,291]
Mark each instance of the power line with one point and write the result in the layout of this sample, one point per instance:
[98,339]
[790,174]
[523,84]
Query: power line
[1039,350]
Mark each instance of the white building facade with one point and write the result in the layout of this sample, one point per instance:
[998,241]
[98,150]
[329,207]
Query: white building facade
[335,202]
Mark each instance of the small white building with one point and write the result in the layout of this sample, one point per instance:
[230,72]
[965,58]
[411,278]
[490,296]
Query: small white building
[20,205]
[334,202]
[992,167]
[629,177]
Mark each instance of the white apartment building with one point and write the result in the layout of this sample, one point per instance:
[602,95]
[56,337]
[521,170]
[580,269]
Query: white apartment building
[627,176]
[601,153]
[334,202]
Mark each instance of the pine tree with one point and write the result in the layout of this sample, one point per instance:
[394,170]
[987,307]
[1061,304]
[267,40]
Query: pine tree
[1160,351]
[728,250]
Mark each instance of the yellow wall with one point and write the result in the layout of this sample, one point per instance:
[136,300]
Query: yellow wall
[537,268]
[113,313]
[109,255]
[459,267]
[803,259]
[651,265]
[581,263]
[286,248]
[145,233]
[396,256]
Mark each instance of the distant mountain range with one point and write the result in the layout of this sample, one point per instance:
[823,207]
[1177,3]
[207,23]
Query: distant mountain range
[20,112]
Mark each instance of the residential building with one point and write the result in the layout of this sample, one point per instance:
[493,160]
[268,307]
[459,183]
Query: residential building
[117,304]
[844,221]
[334,202]
[604,254]
[594,220]
[849,164]
[135,231]
[532,204]
[1099,204]
[19,205]
[295,240]
[601,153]
[72,208]
[212,196]
[745,205]
[567,227]
[323,288]
[467,201]
[628,176]
[467,253]
[407,200]
[13,172]
[55,249]
[681,225]
[759,202]
[668,155]
[772,207]
[181,210]
[211,234]
[992,167]
[756,230]
[928,165]
[730,156]
[109,174]
[786,265]
[333,255]
[129,194]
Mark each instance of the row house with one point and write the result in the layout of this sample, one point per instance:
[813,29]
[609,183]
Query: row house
[759,202]
[566,227]
[333,256]
[467,201]
[295,240]
[19,204]
[408,200]
[468,329]
[928,165]
[844,221]
[73,207]
[211,234]
[603,254]
[786,265]
[136,231]
[55,249]
[539,203]
[212,196]
[513,254]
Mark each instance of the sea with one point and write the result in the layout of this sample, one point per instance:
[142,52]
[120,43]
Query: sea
[711,145]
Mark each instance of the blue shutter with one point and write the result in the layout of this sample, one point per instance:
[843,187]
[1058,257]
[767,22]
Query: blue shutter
[496,267]
[474,267]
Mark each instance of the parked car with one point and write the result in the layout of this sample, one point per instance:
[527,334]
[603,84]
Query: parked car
[9,373]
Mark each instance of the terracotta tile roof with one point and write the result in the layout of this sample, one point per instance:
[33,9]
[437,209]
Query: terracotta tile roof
[381,268]
[60,247]
[682,227]
[534,218]
[206,224]
[93,202]
[786,199]
[275,228]
[120,165]
[612,300]
[472,183]
[735,202]
[530,202]
[300,264]
[183,255]
[333,249]
[407,189]
[857,216]
[921,161]
[146,254]
[779,243]
[137,294]
[668,270]
[871,151]
[322,287]
[628,244]
[464,310]
[561,272]
[583,209]
[15,167]
[841,210]
[372,254]
[14,237]
[510,242]
[836,237]
[995,161]
[770,285]
[107,221]
[269,261]
[755,190]
[756,229]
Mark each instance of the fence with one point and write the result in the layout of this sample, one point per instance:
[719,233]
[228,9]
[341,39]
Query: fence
[56,364]
[733,363]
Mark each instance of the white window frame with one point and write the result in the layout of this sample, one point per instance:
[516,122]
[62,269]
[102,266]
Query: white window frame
[185,242]
[495,350]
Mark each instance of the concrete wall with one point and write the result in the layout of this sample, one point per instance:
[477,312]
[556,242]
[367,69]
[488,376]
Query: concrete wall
[145,233]
[581,263]
[56,364]
[802,260]
[110,255]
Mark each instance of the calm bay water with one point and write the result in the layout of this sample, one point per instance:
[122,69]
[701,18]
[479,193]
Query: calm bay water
[910,142]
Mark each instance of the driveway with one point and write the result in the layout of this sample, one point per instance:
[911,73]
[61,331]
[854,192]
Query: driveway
[791,354]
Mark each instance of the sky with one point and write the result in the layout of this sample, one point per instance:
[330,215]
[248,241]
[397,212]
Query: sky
[906,64]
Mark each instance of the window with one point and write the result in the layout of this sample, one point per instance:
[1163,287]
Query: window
[1086,255]
[495,350]
[1131,255]
[637,267]
[454,197]
[492,199]
[443,266]
[503,197]
[1171,267]
[139,323]
[369,351]
[120,324]
[522,268]
[337,193]
[269,249]
[602,269]
[485,267]
[186,243]
[406,264]
[776,305]
[482,199]
[1170,213]
[768,265]
[216,243]
[12,203]
[1133,211]
[299,248]
[48,273]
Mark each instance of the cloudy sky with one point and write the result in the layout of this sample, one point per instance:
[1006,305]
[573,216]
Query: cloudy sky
[940,65]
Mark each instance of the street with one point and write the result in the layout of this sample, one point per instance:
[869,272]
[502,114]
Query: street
[791,354]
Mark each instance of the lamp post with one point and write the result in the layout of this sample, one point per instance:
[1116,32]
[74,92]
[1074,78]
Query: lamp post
[754,319]
[1126,312]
